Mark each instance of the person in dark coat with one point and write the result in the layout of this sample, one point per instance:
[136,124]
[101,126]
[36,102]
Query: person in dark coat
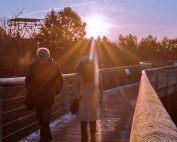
[43,82]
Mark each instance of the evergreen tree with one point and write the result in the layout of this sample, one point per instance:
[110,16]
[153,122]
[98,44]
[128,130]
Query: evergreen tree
[61,29]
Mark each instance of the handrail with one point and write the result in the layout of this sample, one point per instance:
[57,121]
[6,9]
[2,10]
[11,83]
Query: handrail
[160,68]
[16,81]
[154,75]
[116,68]
[8,82]
[12,92]
[151,122]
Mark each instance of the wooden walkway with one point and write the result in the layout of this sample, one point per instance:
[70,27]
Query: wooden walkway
[115,125]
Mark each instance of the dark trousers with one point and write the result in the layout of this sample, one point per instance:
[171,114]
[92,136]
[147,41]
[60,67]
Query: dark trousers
[84,136]
[43,116]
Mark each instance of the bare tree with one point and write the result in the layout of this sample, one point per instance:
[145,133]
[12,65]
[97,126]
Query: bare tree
[3,22]
[19,12]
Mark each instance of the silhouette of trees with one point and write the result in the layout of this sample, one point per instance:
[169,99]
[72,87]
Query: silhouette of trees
[63,32]
[3,24]
[129,41]
[127,48]
[149,43]
[149,47]
[169,48]
[3,33]
[61,29]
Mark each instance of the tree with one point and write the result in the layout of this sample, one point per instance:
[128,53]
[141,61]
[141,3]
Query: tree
[3,26]
[3,22]
[127,47]
[168,48]
[3,33]
[129,41]
[73,28]
[50,33]
[61,29]
[149,43]
[149,48]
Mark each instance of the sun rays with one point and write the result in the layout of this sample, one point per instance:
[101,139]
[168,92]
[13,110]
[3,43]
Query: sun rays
[97,47]
[96,26]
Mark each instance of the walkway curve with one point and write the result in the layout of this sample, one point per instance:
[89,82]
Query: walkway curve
[114,126]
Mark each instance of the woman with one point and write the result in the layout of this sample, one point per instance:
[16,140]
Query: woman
[88,92]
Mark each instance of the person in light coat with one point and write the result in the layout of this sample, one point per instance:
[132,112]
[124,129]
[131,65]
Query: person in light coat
[88,93]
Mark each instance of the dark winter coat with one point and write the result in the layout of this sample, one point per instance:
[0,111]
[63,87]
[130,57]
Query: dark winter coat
[43,82]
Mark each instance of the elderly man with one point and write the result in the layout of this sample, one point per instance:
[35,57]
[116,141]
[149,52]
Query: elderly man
[43,82]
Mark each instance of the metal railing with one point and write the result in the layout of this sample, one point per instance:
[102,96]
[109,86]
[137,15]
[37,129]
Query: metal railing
[16,122]
[120,76]
[163,79]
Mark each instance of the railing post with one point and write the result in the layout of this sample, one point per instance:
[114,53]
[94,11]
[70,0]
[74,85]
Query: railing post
[117,79]
[156,82]
[100,85]
[167,88]
[176,82]
[132,75]
[169,96]
[1,114]
[66,96]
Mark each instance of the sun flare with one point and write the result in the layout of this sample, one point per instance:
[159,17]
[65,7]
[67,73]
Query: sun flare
[96,26]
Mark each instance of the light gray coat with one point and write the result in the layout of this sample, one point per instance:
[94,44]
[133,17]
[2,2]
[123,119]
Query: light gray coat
[89,107]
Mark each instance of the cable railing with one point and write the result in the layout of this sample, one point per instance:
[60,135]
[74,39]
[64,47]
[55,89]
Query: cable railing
[16,122]
[121,76]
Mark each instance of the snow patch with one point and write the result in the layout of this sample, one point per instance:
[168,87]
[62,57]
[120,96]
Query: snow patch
[54,124]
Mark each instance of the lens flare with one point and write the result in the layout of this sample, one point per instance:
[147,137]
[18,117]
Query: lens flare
[96,26]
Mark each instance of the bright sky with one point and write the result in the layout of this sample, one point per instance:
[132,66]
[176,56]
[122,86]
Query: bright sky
[140,17]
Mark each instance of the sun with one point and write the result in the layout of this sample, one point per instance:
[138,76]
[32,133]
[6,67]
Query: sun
[96,26]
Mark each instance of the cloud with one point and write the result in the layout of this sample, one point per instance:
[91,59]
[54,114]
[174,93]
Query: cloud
[58,8]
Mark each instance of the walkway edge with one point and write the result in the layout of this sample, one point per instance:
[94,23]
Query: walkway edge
[115,90]
[151,122]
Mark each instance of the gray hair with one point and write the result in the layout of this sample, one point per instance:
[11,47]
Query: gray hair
[43,53]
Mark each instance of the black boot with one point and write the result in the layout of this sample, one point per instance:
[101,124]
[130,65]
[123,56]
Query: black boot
[84,136]
[93,137]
